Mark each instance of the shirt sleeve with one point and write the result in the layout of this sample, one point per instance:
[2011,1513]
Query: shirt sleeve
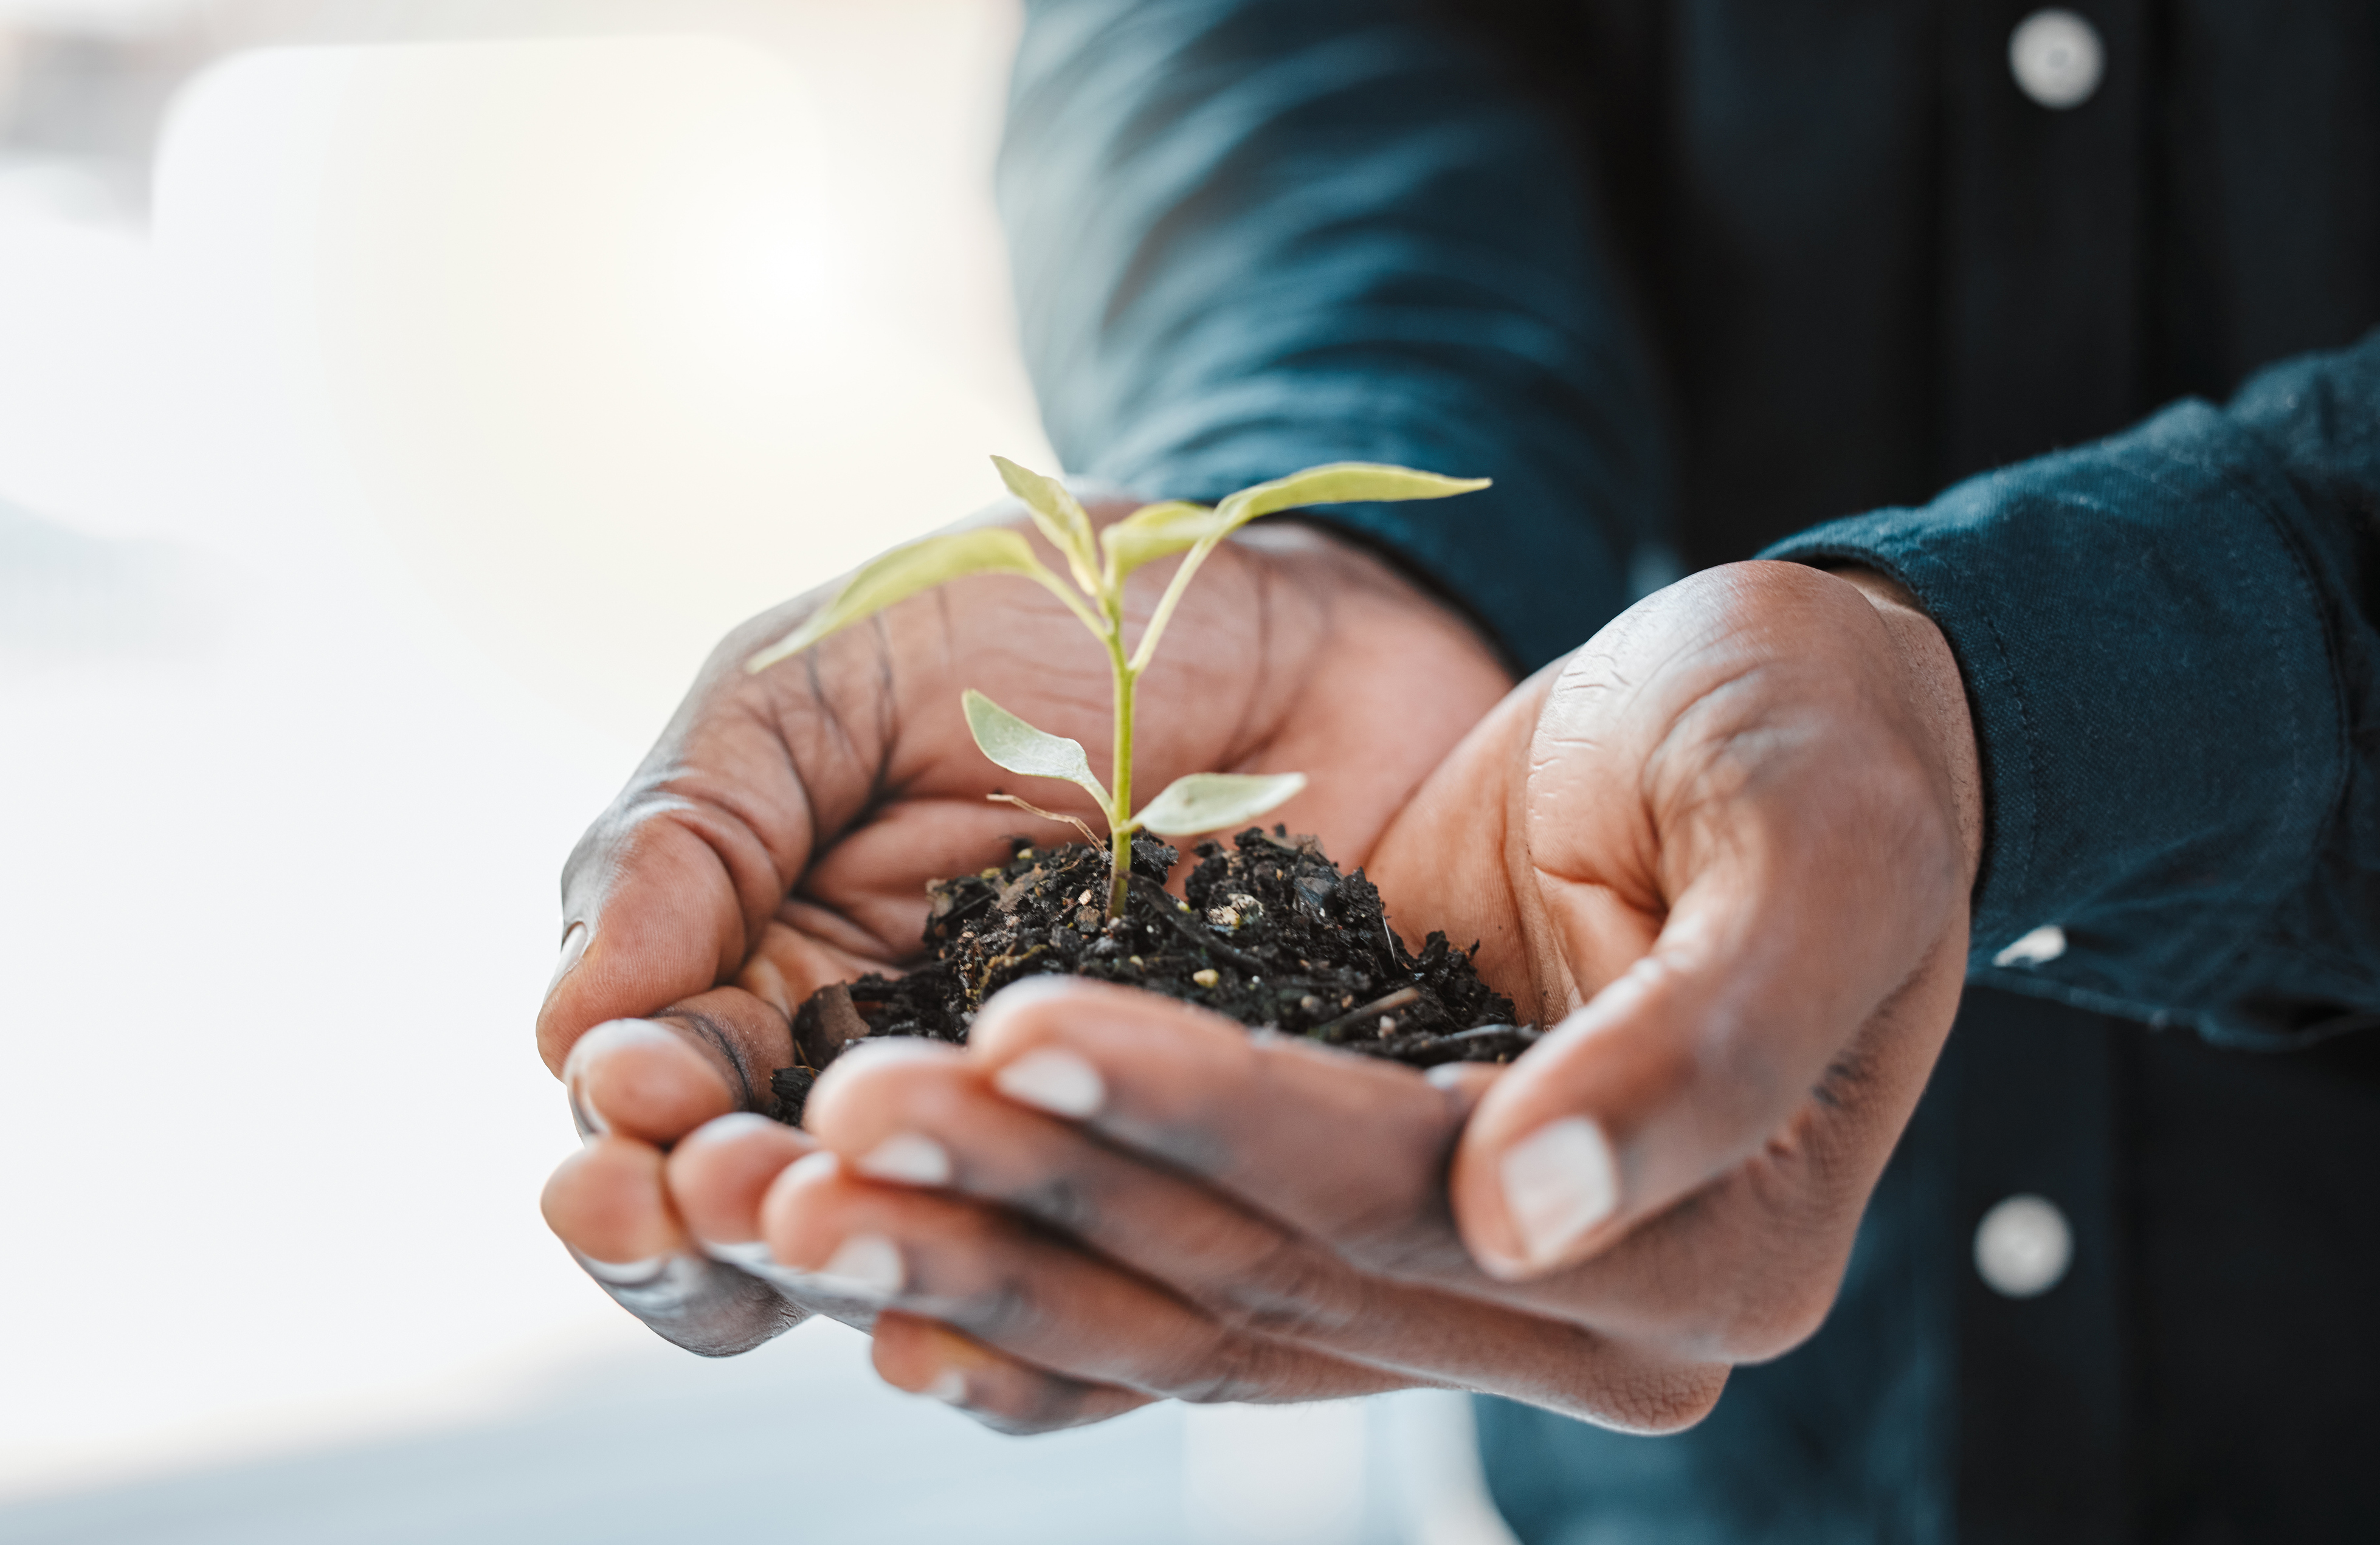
[1252,235]
[2168,641]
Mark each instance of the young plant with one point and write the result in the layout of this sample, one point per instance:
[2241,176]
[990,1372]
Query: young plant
[1098,566]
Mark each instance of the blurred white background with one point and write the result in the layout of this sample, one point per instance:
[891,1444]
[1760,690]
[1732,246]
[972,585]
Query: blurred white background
[395,402]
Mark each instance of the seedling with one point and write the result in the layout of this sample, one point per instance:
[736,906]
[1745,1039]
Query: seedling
[1097,565]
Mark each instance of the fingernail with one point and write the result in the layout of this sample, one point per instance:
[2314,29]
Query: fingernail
[611,1033]
[745,1255]
[813,1167]
[910,1158]
[751,1257]
[1560,1181]
[949,1387]
[733,1127]
[657,1284]
[574,945]
[624,1274]
[583,1113]
[1057,1082]
[864,1266]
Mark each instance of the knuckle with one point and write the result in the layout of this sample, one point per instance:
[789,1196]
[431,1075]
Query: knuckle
[1404,1231]
[1062,1202]
[1289,1292]
[1231,1369]
[1002,1311]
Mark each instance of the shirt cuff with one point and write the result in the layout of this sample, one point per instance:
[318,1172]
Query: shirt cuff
[2143,645]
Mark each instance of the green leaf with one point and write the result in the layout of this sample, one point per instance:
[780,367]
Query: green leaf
[1210,801]
[1340,483]
[1336,483]
[1156,531]
[1020,748]
[1061,517]
[901,573]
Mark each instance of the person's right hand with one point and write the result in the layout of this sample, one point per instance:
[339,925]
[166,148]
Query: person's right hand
[781,834]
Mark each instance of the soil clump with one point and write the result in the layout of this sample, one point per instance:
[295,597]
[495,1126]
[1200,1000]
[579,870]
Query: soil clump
[1271,935]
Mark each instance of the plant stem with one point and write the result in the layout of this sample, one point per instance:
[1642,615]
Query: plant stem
[1119,773]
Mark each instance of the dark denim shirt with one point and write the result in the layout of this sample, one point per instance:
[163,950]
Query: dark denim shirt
[1251,237]
[1689,277]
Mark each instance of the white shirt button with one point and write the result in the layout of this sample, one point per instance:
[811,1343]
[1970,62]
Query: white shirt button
[2039,947]
[2056,58]
[2023,1247]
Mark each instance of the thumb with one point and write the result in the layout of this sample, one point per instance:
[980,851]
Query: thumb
[1674,1074]
[1694,1061]
[660,903]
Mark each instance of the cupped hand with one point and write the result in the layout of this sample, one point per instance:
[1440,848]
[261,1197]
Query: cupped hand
[781,835]
[1726,848]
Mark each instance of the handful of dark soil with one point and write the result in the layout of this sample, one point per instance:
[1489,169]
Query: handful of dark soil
[1272,935]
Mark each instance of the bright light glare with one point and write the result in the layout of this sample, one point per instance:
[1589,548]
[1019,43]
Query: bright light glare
[484,386]
[585,321]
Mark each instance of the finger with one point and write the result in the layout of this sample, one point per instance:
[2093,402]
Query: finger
[924,1356]
[928,1117]
[1765,1246]
[1024,1294]
[607,1203]
[1348,1150]
[1802,862]
[660,1077]
[660,901]
[719,1174]
[640,1078]
[718,1178]
[1746,1268]
[1741,1274]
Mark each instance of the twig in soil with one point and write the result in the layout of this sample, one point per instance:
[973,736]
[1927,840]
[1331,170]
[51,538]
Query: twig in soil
[1332,1030]
[1195,936]
[1506,1041]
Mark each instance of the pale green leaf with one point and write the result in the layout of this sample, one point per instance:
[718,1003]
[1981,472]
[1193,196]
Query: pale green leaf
[1340,483]
[1017,746]
[1061,517]
[904,572]
[1156,531]
[1210,802]
[1336,483]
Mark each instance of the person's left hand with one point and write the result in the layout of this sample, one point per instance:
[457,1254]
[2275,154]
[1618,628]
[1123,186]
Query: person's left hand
[1728,845]
[781,834]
